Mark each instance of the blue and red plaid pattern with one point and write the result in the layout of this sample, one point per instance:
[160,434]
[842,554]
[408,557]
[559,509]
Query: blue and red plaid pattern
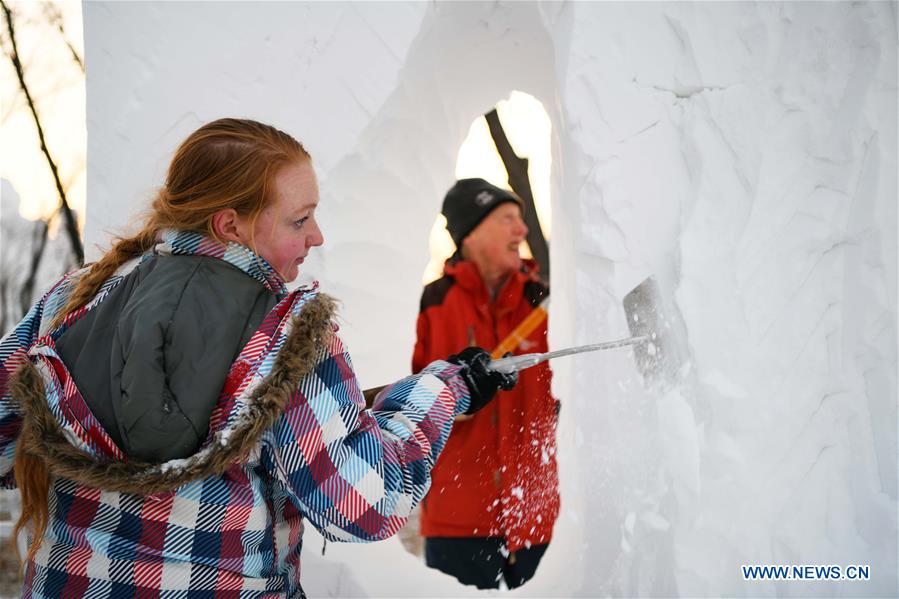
[186,243]
[355,474]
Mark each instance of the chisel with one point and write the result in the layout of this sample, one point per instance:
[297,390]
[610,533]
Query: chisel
[520,362]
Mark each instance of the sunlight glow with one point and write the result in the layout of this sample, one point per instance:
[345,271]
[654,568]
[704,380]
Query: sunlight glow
[56,83]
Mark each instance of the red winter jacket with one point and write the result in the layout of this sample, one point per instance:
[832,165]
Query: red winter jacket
[497,475]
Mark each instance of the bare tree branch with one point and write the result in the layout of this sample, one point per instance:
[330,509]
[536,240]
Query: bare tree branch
[517,170]
[55,18]
[71,226]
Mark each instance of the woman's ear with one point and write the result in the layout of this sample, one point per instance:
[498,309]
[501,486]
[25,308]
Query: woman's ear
[228,225]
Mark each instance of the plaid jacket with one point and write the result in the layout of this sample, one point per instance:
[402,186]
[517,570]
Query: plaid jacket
[289,439]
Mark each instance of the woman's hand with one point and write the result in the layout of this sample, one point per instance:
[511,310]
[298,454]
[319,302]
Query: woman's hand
[483,383]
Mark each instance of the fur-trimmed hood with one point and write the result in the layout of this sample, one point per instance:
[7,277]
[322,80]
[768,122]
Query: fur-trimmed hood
[305,328]
[289,442]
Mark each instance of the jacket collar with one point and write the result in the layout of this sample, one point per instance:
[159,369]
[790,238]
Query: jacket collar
[189,243]
[467,276]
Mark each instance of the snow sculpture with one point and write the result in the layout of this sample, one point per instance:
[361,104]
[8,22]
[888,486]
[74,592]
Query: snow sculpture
[745,152]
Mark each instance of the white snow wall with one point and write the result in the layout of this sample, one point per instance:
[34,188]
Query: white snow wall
[744,152]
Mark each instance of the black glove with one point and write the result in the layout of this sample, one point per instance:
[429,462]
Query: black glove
[482,382]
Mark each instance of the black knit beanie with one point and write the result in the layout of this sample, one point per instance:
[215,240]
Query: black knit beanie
[468,202]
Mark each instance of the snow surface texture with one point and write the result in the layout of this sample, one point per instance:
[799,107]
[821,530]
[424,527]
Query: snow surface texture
[745,154]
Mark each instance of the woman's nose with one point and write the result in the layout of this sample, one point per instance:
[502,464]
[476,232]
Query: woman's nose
[316,237]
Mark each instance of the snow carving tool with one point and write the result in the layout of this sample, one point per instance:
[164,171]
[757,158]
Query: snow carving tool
[657,330]
[512,340]
[657,333]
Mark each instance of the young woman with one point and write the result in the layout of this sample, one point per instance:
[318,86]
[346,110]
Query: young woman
[171,414]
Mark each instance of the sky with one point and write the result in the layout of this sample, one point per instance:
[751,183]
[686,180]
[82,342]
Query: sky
[56,83]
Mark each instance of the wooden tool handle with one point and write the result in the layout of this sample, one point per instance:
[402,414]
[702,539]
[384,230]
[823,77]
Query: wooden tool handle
[522,331]
[370,394]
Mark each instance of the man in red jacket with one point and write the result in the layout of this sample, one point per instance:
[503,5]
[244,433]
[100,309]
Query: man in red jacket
[494,498]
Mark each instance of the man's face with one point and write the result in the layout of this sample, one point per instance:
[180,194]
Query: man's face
[496,239]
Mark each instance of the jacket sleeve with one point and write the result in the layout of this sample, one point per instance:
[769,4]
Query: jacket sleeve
[356,474]
[12,355]
[422,343]
[13,348]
